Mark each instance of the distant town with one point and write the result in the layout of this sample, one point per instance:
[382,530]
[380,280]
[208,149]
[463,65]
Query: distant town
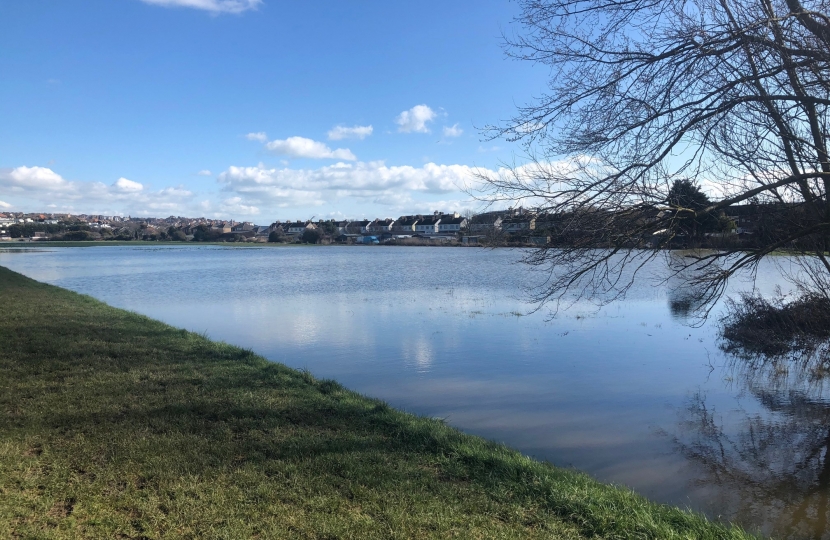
[519,227]
[439,227]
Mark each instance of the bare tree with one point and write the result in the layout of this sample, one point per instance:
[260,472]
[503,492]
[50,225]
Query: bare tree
[730,96]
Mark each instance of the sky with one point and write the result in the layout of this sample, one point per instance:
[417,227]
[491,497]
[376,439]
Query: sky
[254,109]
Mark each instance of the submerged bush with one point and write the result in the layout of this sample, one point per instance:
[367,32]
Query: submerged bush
[758,325]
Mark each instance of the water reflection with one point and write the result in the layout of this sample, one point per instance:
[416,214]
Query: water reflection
[440,332]
[769,457]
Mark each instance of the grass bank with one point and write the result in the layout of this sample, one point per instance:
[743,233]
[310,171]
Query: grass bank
[101,243]
[113,425]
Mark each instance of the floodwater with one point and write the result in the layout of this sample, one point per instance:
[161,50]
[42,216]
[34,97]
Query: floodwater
[630,393]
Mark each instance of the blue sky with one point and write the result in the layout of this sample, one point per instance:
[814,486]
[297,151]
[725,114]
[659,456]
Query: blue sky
[250,109]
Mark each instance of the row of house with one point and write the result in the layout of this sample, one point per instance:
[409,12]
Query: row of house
[435,224]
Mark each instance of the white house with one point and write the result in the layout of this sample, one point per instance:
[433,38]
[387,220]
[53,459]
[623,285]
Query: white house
[451,225]
[428,224]
[298,228]
[382,225]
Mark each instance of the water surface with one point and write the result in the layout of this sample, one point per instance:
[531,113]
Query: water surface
[629,393]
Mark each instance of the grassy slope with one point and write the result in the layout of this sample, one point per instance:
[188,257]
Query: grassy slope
[142,243]
[115,425]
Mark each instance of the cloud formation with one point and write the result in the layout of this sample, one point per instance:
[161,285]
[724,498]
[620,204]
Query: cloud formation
[415,119]
[300,147]
[338,133]
[214,6]
[34,178]
[260,136]
[41,187]
[453,131]
[5,205]
[233,206]
[127,186]
[204,172]
[365,181]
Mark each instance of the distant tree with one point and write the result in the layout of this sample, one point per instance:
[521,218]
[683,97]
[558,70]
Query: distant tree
[327,228]
[76,236]
[26,230]
[203,233]
[725,224]
[687,202]
[276,236]
[685,195]
[177,235]
[311,236]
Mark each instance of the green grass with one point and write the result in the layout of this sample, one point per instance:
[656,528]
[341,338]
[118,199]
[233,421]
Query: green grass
[113,425]
[98,243]
[141,243]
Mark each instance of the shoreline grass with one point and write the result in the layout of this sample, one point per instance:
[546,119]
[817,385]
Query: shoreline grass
[114,425]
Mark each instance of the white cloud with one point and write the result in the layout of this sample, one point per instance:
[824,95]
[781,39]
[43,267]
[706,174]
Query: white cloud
[362,176]
[415,119]
[259,136]
[453,131]
[39,187]
[176,192]
[443,206]
[338,133]
[204,172]
[34,178]
[214,6]
[5,205]
[234,206]
[300,147]
[127,186]
[372,182]
[528,127]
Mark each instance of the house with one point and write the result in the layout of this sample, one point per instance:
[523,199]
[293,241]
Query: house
[222,227]
[381,225]
[340,227]
[405,224]
[428,224]
[519,223]
[487,221]
[358,227]
[745,217]
[451,225]
[297,228]
[262,230]
[242,227]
